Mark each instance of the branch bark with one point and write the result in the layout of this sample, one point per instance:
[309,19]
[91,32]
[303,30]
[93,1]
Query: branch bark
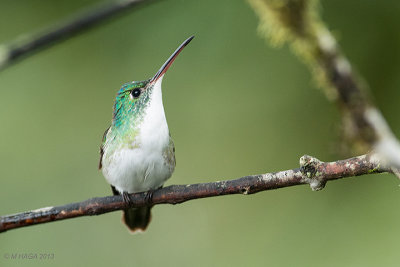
[312,171]
[28,45]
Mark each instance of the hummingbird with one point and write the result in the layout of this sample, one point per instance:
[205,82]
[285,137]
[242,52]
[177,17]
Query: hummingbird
[137,153]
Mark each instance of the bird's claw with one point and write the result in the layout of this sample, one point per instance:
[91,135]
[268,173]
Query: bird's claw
[148,198]
[127,198]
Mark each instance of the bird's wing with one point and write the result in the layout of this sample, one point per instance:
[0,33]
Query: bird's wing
[115,191]
[169,154]
[102,147]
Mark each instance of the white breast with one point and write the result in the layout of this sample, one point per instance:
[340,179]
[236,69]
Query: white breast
[154,131]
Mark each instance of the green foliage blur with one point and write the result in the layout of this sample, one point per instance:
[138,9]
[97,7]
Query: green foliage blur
[235,106]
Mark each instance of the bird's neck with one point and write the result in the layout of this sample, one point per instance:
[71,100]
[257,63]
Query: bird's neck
[154,129]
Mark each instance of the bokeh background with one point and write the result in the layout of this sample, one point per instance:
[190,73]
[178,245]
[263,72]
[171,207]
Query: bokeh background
[235,106]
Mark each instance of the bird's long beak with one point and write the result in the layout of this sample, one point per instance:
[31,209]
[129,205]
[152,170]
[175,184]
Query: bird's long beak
[169,61]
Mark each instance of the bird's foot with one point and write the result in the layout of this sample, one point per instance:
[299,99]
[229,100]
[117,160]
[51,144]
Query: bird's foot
[148,198]
[127,198]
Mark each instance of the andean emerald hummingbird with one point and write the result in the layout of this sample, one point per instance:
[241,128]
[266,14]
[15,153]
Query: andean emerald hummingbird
[137,153]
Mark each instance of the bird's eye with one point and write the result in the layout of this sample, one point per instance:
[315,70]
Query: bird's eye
[135,93]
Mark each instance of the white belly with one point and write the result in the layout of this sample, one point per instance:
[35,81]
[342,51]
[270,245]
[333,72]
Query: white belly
[137,170]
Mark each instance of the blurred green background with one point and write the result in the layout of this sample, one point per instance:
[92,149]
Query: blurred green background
[235,106]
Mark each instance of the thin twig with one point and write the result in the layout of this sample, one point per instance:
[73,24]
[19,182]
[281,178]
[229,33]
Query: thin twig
[312,171]
[298,22]
[28,45]
[367,119]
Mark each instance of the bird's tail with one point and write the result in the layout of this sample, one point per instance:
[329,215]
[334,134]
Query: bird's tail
[137,219]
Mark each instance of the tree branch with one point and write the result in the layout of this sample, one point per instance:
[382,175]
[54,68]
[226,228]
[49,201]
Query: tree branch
[28,45]
[312,171]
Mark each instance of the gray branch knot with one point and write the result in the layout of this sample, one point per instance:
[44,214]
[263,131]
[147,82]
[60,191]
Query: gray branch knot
[309,168]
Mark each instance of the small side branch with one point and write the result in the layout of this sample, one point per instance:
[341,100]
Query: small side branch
[27,45]
[298,23]
[312,171]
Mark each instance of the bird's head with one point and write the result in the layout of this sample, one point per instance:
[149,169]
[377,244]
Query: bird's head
[134,97]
